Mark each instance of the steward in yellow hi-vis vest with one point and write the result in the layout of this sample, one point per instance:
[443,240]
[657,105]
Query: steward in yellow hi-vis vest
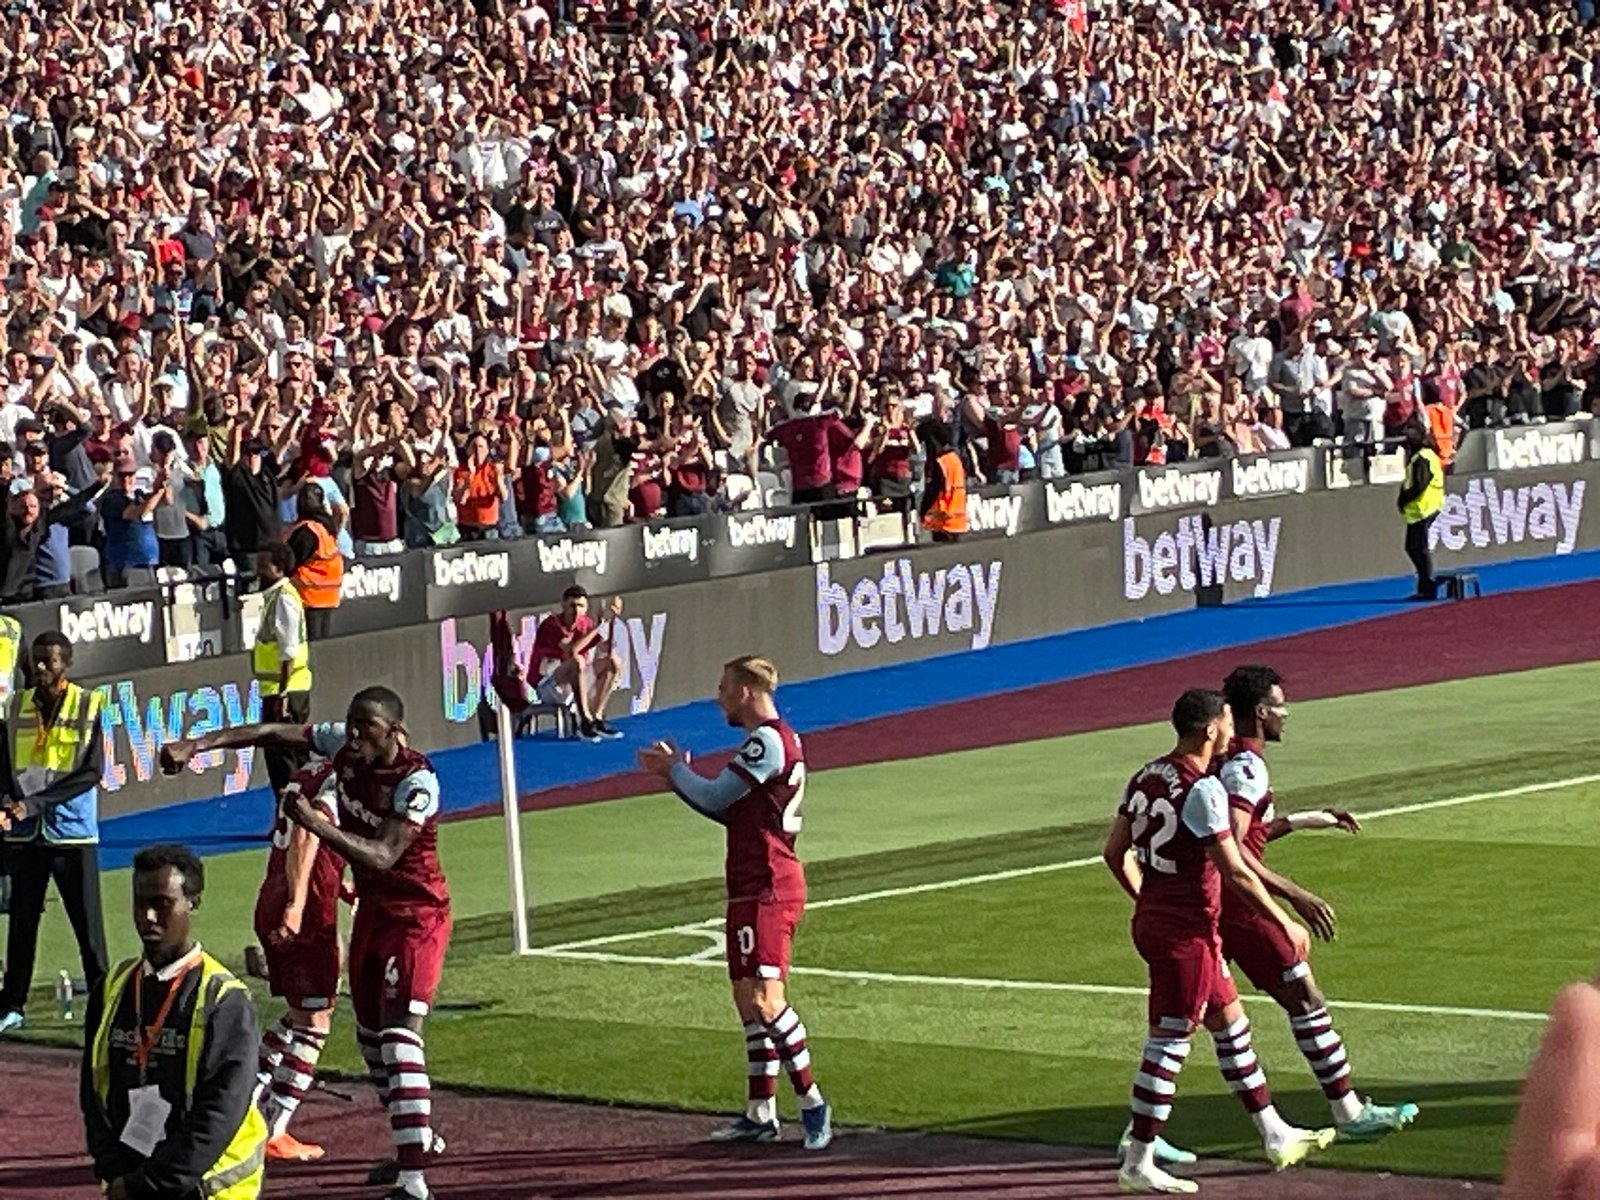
[281,658]
[1420,501]
[49,818]
[169,1064]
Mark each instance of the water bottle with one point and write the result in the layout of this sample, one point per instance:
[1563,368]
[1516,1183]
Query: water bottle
[64,996]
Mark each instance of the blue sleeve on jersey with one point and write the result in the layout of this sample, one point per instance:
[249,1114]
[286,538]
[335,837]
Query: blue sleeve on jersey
[709,797]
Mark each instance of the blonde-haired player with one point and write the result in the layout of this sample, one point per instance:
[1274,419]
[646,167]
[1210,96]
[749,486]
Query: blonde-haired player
[758,797]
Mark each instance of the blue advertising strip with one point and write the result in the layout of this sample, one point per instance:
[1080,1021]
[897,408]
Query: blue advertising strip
[240,821]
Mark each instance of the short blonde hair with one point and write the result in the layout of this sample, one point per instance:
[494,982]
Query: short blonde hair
[754,672]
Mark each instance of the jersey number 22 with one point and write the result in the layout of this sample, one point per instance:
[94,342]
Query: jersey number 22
[1154,824]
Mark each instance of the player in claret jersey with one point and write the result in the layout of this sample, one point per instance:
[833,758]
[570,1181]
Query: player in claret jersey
[758,798]
[387,831]
[1257,945]
[1172,850]
[297,923]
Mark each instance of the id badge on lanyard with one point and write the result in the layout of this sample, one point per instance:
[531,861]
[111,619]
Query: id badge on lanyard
[147,1109]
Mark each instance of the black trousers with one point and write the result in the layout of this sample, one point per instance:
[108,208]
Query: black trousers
[283,762]
[319,623]
[76,870]
[1421,557]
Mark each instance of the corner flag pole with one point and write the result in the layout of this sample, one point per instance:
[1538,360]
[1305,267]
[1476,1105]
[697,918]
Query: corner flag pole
[508,802]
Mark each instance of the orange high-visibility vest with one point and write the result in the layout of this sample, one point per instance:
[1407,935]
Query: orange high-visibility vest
[320,576]
[949,511]
[1442,421]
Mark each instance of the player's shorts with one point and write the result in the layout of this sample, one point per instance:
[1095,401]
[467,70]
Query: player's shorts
[1188,976]
[304,971]
[395,962]
[760,936]
[1262,951]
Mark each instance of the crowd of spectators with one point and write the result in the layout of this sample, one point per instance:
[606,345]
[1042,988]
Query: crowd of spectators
[477,268]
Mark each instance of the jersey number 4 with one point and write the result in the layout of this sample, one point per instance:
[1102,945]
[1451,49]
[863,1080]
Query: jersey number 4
[791,811]
[1154,824]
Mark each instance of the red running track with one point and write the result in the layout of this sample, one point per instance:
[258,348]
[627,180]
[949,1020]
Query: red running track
[506,1148]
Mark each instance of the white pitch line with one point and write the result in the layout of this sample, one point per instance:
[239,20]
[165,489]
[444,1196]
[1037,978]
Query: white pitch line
[1035,985]
[1527,789]
[918,889]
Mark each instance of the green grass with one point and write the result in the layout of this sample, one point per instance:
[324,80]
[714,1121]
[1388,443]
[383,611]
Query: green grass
[1479,906]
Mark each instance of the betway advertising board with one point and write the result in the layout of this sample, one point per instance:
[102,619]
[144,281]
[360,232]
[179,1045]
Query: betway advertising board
[1493,518]
[382,593]
[123,630]
[482,576]
[1208,482]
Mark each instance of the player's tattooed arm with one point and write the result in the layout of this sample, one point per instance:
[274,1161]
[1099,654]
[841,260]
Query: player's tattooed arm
[1119,856]
[376,854]
[176,755]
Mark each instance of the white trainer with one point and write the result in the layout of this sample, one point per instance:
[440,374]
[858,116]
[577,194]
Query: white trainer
[1152,1179]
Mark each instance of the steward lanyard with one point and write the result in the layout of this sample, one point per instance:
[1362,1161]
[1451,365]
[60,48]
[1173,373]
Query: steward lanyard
[41,733]
[147,1037]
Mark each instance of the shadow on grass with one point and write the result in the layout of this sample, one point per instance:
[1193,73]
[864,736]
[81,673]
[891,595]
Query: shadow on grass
[1214,1125]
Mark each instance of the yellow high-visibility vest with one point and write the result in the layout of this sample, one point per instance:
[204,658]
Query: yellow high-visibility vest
[1432,499]
[266,659]
[237,1174]
[10,652]
[42,754]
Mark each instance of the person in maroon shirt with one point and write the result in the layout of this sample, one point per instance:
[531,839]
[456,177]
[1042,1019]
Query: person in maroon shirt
[296,921]
[566,642]
[647,490]
[889,456]
[375,496]
[807,439]
[536,492]
[689,462]
[1171,849]
[845,445]
[387,831]
[1003,441]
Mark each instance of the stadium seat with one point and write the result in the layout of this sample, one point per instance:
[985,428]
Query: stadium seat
[561,717]
[86,579]
[564,721]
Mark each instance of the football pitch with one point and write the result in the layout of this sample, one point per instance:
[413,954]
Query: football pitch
[964,963]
